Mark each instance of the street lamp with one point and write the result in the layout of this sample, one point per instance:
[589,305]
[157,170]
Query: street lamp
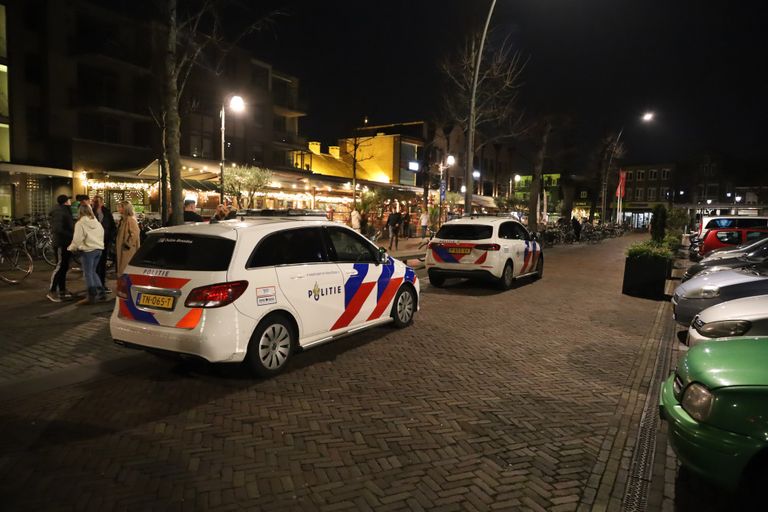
[738,199]
[647,117]
[709,201]
[237,105]
[449,161]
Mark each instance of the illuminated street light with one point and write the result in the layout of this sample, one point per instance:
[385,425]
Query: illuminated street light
[237,105]
[517,178]
[738,199]
[648,117]
[463,189]
[709,201]
[682,192]
[475,174]
[450,160]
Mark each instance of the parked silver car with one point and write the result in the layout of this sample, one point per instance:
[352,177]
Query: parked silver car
[740,317]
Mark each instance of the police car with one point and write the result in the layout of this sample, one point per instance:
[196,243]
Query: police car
[492,248]
[258,290]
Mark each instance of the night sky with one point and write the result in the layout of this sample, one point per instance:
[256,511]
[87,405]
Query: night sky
[699,65]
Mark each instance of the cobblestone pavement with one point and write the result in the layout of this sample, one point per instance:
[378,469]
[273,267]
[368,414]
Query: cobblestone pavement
[526,399]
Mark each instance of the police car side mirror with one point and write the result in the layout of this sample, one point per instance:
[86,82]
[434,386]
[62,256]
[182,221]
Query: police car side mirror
[383,255]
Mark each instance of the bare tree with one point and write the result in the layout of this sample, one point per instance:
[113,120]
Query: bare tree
[497,113]
[604,159]
[189,38]
[357,143]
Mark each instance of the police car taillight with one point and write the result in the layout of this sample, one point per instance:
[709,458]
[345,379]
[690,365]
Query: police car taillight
[122,287]
[488,247]
[215,295]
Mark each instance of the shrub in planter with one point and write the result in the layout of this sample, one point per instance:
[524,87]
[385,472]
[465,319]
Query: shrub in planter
[673,241]
[646,269]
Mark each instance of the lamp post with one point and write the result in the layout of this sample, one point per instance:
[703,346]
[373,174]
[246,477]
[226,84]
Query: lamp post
[237,105]
[449,161]
[647,117]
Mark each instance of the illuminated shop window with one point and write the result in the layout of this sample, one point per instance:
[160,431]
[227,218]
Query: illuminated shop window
[5,143]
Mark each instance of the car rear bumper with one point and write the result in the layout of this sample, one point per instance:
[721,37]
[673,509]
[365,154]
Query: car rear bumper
[485,275]
[224,343]
[714,454]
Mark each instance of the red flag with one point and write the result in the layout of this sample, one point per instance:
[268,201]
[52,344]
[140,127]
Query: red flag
[622,184]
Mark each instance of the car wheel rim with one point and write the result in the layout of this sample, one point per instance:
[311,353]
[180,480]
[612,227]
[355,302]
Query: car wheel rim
[274,346]
[405,307]
[508,275]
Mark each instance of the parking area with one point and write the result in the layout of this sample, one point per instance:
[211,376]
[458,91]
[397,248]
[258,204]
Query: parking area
[525,399]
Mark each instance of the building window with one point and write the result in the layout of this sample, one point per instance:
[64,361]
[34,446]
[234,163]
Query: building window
[651,194]
[257,154]
[451,183]
[640,175]
[630,175]
[5,143]
[653,175]
[638,194]
[665,174]
[3,43]
[200,133]
[4,108]
[628,194]
[99,128]
[663,193]
[583,194]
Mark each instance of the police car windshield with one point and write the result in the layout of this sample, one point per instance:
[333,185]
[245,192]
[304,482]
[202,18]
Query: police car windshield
[465,232]
[174,251]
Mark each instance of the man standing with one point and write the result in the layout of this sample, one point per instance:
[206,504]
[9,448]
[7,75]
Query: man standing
[62,229]
[104,216]
[355,220]
[190,213]
[424,221]
[576,228]
[393,223]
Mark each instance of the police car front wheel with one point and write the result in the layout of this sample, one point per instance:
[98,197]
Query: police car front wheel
[404,307]
[271,345]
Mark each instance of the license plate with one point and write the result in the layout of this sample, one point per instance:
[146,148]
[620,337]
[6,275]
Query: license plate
[459,250]
[151,300]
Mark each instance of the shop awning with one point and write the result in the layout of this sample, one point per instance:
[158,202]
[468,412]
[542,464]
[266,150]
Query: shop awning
[200,185]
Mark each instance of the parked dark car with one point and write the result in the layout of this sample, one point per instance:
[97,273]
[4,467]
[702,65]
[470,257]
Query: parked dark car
[754,257]
[729,237]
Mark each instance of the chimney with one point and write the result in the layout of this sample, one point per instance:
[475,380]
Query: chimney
[314,147]
[334,151]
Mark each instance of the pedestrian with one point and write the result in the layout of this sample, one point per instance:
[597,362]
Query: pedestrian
[62,228]
[576,228]
[364,224]
[393,223]
[107,221]
[128,236]
[355,220]
[190,211]
[231,212]
[424,221]
[220,215]
[406,223]
[88,240]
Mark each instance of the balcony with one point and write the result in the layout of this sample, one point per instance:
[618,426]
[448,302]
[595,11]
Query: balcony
[109,103]
[111,51]
[288,105]
[288,139]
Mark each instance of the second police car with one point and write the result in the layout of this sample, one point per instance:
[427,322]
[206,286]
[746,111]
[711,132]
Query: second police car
[258,290]
[492,248]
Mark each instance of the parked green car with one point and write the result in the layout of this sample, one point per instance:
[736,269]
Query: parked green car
[716,404]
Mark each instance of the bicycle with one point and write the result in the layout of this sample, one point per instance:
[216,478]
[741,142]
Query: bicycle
[16,264]
[424,245]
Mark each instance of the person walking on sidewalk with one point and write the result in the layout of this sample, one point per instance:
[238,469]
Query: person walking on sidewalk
[128,236]
[104,216]
[355,220]
[88,240]
[62,228]
[406,223]
[393,223]
[424,221]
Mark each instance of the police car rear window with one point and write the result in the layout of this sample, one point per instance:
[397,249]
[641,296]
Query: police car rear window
[174,251]
[465,232]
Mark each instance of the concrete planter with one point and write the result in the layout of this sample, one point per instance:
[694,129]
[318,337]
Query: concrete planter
[646,276]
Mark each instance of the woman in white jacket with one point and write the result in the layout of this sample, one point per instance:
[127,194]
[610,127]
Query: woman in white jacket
[88,240]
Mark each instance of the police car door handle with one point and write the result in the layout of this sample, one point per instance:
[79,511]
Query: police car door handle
[298,277]
[351,273]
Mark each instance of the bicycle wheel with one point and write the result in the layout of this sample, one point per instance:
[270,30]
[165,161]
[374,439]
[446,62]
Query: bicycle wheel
[49,253]
[15,265]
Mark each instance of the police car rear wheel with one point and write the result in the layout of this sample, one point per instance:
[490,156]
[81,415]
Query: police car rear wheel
[507,277]
[540,268]
[271,346]
[404,307]
[436,281]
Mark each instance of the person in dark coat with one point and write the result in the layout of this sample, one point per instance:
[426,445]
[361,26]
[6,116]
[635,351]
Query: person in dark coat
[576,228]
[393,223]
[107,221]
[62,230]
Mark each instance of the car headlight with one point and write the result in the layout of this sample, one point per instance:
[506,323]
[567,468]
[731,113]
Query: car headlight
[697,401]
[724,328]
[707,291]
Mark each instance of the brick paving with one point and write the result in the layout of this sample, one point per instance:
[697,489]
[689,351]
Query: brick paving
[518,400]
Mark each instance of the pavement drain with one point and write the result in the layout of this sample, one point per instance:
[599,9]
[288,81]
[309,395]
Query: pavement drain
[641,464]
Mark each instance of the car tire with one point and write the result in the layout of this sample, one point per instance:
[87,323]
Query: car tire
[507,278]
[272,345]
[540,268]
[404,307]
[436,281]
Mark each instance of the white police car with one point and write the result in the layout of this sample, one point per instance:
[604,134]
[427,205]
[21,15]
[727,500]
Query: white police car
[492,248]
[257,290]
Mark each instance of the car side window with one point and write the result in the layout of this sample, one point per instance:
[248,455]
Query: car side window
[506,230]
[520,232]
[729,237]
[349,247]
[753,236]
[289,247]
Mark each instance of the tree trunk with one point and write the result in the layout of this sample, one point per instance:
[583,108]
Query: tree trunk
[172,120]
[538,169]
[569,192]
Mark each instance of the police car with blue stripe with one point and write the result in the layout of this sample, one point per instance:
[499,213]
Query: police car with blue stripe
[258,289]
[499,249]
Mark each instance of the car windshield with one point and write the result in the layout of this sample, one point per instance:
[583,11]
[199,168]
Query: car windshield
[465,232]
[175,251]
[759,254]
[751,246]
